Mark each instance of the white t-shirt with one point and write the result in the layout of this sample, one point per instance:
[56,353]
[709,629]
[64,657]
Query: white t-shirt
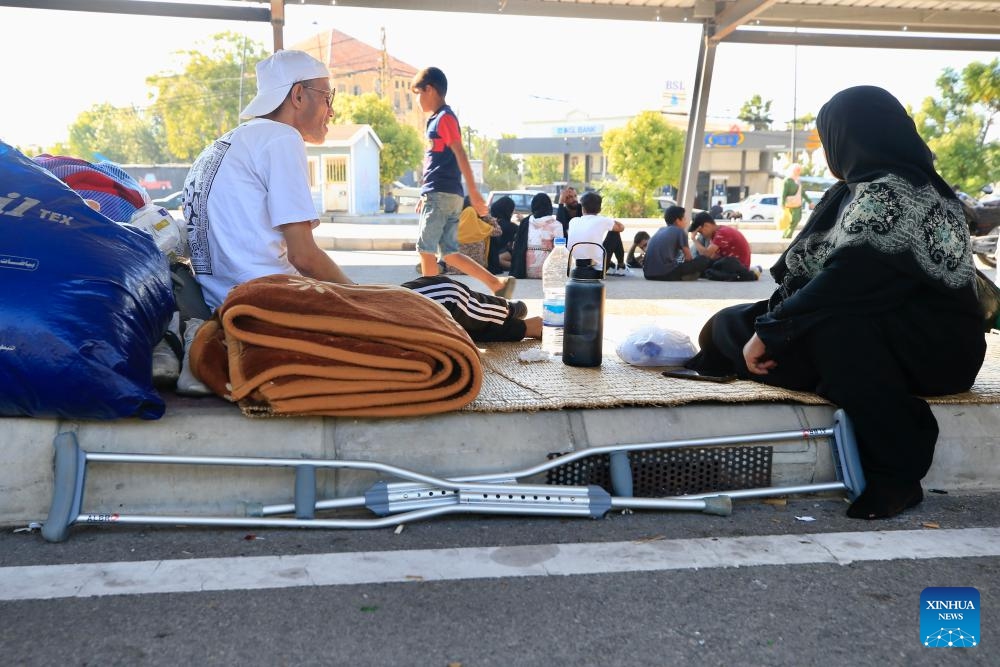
[588,229]
[249,182]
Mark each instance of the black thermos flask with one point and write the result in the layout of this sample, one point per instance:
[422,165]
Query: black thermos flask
[583,332]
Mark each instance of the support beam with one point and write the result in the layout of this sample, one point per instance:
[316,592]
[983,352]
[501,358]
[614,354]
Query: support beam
[737,14]
[696,121]
[181,10]
[912,41]
[278,24]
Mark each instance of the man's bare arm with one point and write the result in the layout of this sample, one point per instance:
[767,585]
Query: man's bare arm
[307,257]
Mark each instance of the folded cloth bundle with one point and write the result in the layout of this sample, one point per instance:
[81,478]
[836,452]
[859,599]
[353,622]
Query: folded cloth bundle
[288,345]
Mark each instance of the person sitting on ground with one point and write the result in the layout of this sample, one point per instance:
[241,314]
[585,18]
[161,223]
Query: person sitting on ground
[877,303]
[389,203]
[667,254]
[716,210]
[614,249]
[250,212]
[501,246]
[445,165]
[590,228]
[474,235]
[542,229]
[569,208]
[637,252]
[726,247]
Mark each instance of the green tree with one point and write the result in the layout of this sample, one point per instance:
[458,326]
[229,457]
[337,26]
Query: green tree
[204,101]
[646,154]
[541,169]
[757,113]
[121,134]
[402,147]
[500,170]
[958,124]
[805,122]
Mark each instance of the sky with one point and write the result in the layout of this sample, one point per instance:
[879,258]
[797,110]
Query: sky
[503,70]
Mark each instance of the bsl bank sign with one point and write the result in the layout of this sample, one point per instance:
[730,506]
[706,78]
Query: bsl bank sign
[949,617]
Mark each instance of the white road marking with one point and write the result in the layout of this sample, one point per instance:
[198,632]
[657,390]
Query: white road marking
[376,567]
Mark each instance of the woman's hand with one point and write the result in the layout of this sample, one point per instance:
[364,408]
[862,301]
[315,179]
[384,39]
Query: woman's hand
[755,355]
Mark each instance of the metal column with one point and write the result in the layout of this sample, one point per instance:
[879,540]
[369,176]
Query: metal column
[696,120]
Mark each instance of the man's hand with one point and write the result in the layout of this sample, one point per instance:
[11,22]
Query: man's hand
[754,354]
[478,203]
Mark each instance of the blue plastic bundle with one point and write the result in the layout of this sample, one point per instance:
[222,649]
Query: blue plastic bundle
[83,300]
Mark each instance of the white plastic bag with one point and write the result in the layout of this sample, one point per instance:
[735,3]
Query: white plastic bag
[169,234]
[655,346]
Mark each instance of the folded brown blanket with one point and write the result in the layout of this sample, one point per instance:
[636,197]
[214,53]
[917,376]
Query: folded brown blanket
[289,345]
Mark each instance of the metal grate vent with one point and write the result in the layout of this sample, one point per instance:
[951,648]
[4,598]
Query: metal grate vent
[674,472]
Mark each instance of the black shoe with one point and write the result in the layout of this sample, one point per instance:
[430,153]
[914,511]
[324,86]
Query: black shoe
[518,309]
[883,499]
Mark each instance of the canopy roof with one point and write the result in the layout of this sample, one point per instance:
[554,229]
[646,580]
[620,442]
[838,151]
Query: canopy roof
[904,16]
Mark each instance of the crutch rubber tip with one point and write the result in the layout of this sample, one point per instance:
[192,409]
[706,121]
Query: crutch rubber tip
[718,505]
[67,487]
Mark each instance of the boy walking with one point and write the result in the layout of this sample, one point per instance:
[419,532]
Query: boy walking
[445,165]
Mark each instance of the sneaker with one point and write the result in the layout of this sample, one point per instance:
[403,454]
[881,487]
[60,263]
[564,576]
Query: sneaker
[507,290]
[625,271]
[758,270]
[166,365]
[167,354]
[518,309]
[187,383]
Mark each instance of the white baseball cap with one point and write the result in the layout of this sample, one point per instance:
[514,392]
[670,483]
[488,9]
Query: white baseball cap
[275,77]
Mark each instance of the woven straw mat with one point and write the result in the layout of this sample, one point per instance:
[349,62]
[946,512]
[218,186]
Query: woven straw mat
[510,385]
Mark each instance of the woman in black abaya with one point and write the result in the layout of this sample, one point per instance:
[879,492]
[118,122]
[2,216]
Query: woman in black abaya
[876,303]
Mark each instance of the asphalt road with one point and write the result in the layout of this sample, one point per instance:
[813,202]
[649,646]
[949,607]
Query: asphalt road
[672,612]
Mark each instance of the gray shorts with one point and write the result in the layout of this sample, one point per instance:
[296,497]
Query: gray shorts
[439,223]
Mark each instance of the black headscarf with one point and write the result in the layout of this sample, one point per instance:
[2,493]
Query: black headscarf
[866,134]
[502,209]
[541,205]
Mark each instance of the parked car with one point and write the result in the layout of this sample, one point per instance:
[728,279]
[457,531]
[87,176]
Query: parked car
[759,207]
[732,211]
[171,202]
[522,200]
[665,202]
[406,196]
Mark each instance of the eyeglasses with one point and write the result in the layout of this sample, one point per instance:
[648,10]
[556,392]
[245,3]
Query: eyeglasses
[329,94]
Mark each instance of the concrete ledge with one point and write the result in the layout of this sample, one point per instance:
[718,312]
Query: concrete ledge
[451,444]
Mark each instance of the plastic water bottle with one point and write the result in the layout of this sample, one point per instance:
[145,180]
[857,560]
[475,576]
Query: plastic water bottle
[584,323]
[554,281]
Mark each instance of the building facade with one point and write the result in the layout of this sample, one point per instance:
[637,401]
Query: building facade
[358,68]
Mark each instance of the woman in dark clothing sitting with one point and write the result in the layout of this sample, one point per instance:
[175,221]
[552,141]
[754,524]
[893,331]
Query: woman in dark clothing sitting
[500,247]
[876,304]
